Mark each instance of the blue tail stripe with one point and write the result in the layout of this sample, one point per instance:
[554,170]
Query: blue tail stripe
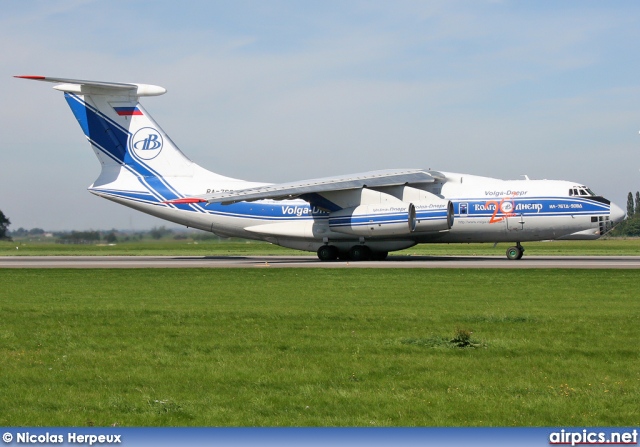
[112,139]
[160,187]
[97,129]
[141,179]
[94,110]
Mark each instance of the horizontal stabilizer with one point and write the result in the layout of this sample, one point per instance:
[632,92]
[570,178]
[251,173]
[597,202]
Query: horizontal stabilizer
[99,87]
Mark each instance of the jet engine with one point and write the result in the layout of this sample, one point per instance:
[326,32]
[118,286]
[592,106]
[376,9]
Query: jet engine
[396,219]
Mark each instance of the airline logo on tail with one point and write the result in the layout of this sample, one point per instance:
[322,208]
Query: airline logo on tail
[146,143]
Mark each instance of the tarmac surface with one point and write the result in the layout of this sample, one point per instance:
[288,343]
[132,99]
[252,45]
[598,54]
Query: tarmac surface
[111,262]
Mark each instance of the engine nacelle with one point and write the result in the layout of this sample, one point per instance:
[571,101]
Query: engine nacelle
[433,215]
[398,219]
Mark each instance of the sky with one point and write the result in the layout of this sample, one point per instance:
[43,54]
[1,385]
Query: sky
[278,91]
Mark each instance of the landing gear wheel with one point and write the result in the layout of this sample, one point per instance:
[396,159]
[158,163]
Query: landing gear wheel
[327,253]
[516,252]
[359,253]
[512,253]
[379,255]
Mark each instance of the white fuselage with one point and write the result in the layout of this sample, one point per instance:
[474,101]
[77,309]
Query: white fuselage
[485,210]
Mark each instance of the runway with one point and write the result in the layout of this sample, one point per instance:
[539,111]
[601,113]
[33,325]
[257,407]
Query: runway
[123,262]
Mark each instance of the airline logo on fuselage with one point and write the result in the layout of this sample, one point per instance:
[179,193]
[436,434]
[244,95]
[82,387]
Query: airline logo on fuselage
[505,193]
[146,143]
[301,211]
[500,209]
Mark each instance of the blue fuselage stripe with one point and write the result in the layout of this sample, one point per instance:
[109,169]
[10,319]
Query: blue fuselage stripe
[284,211]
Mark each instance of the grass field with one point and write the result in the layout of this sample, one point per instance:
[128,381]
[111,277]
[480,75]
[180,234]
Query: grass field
[316,347]
[235,247]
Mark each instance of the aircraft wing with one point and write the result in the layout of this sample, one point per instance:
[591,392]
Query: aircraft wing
[287,191]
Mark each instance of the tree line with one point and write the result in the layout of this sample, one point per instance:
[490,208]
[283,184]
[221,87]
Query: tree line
[93,236]
[631,225]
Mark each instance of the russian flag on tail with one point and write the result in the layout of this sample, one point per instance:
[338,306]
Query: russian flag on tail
[127,111]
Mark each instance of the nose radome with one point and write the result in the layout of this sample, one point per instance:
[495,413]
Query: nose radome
[616,214]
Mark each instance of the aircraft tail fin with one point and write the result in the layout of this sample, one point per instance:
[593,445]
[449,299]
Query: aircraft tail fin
[118,128]
[138,158]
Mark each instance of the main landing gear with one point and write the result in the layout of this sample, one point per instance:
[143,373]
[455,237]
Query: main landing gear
[328,253]
[356,253]
[515,252]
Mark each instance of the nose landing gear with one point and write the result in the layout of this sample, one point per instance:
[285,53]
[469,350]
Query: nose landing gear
[515,252]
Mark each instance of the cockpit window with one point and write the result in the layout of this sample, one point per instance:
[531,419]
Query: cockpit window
[581,191]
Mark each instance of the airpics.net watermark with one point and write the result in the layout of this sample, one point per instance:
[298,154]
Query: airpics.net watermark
[589,437]
[70,438]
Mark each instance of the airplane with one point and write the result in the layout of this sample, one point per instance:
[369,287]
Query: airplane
[357,217]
